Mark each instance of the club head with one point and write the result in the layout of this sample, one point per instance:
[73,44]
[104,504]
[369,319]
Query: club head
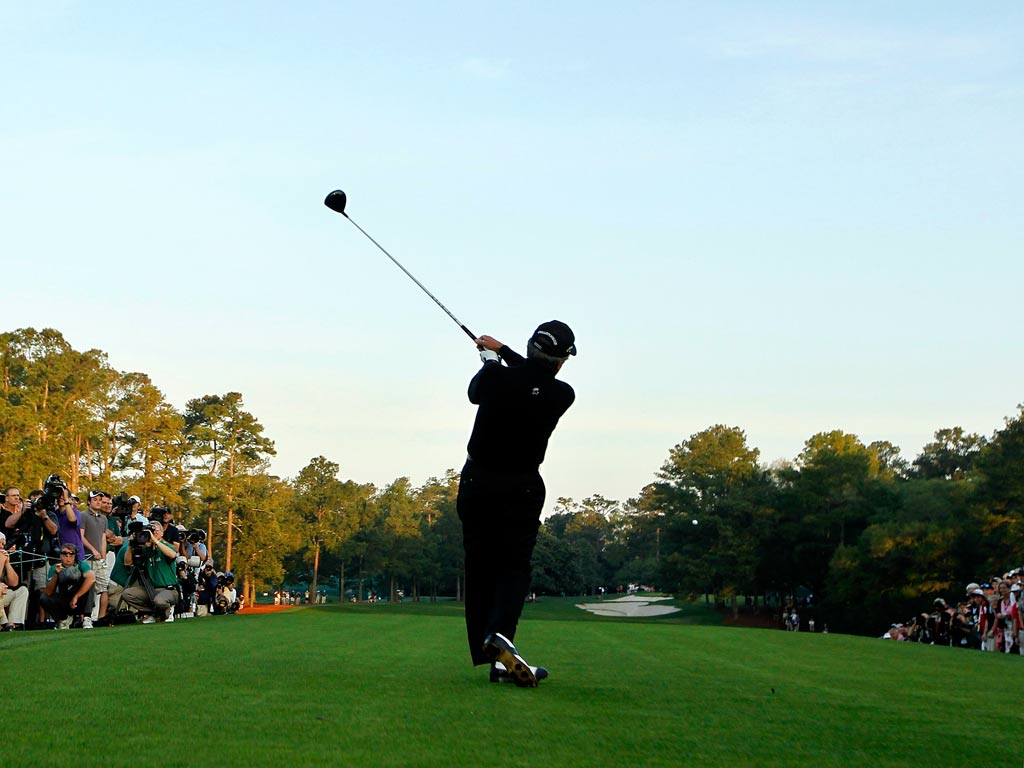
[336,201]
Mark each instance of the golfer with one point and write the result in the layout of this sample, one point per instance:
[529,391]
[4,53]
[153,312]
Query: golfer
[501,492]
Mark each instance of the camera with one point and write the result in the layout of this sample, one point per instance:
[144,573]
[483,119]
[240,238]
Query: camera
[53,488]
[196,536]
[140,535]
[157,512]
[122,504]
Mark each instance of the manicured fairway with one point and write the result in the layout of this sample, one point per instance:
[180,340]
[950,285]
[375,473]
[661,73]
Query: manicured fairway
[391,686]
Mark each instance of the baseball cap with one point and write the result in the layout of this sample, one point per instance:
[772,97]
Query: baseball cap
[135,499]
[554,338]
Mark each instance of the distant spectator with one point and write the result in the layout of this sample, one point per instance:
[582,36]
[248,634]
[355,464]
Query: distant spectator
[1005,617]
[1017,590]
[895,633]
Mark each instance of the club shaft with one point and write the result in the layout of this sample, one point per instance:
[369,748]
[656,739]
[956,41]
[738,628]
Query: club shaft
[412,277]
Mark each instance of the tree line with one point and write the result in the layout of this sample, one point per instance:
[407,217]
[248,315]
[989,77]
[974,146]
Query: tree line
[868,534]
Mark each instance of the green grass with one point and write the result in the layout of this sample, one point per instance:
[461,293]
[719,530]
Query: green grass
[391,685]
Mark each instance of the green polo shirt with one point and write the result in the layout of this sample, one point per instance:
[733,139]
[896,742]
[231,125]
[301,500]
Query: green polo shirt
[83,566]
[159,569]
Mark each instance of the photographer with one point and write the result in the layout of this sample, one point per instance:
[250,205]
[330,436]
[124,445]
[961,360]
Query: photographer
[193,546]
[207,589]
[118,580]
[152,582]
[69,518]
[964,626]
[69,588]
[122,508]
[187,586]
[940,623]
[10,505]
[226,598]
[165,517]
[34,527]
[13,595]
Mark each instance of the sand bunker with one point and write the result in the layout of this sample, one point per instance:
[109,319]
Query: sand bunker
[631,606]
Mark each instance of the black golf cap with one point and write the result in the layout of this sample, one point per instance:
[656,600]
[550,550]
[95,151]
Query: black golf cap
[554,338]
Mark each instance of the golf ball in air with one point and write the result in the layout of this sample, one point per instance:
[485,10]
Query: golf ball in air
[694,522]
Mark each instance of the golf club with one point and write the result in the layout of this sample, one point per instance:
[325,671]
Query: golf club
[336,201]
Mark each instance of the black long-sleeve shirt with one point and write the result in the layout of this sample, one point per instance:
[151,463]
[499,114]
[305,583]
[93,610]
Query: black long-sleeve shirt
[519,407]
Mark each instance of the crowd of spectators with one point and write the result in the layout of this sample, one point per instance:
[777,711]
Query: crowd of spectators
[988,618]
[64,566]
[295,597]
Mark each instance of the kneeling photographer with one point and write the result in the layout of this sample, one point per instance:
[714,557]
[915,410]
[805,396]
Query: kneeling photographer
[152,582]
[68,591]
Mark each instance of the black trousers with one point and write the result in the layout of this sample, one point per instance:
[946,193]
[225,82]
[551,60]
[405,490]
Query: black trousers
[500,514]
[58,605]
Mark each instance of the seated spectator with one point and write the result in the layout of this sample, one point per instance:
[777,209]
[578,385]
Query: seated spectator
[13,594]
[68,588]
[895,633]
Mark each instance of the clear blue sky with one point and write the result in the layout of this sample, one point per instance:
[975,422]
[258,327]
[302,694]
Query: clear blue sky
[788,217]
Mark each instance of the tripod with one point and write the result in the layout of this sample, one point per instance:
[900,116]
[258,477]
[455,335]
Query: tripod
[137,575]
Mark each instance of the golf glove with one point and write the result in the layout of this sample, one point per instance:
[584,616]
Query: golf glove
[487,356]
